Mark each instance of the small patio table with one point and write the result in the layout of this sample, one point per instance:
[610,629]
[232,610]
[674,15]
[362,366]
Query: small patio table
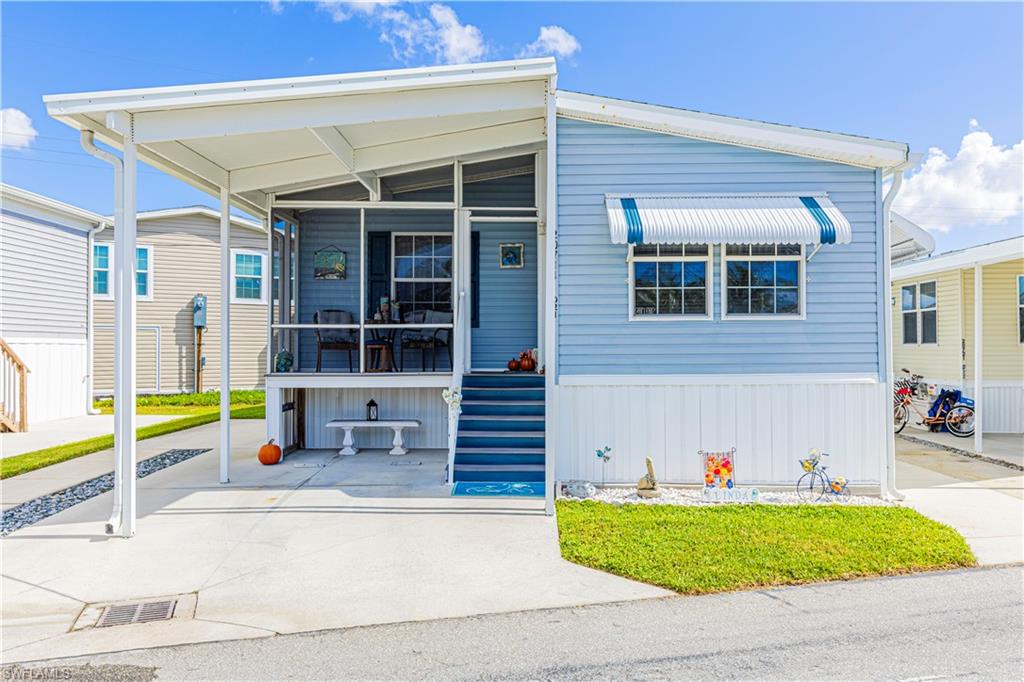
[349,445]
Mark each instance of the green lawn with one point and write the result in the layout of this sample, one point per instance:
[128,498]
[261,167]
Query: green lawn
[196,416]
[695,550]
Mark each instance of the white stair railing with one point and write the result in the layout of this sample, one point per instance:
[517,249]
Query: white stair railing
[453,394]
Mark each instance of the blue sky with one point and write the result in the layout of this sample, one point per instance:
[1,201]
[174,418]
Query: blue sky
[942,76]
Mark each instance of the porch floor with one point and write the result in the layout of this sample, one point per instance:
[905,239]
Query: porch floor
[281,549]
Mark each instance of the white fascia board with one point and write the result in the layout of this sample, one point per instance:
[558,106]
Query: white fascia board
[984,254]
[215,94]
[12,193]
[292,114]
[204,211]
[817,144]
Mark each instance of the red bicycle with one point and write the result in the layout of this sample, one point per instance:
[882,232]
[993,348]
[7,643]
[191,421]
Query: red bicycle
[950,408]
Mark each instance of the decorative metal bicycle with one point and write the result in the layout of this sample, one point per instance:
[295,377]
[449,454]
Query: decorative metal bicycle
[815,484]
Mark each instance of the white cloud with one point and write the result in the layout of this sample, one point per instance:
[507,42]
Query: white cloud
[980,186]
[460,43]
[276,6]
[552,40]
[16,131]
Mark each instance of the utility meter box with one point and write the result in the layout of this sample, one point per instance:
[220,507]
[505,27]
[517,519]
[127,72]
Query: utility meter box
[199,311]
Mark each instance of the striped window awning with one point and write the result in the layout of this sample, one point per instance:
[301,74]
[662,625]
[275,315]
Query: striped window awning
[725,219]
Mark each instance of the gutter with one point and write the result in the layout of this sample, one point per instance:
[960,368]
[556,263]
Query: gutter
[89,145]
[89,336]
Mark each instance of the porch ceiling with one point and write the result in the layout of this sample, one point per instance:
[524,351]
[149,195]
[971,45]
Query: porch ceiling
[267,136]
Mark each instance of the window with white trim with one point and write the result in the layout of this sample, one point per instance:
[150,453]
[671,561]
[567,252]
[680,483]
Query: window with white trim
[248,283]
[103,266]
[919,307]
[1020,308]
[422,271]
[669,281]
[763,280]
[101,262]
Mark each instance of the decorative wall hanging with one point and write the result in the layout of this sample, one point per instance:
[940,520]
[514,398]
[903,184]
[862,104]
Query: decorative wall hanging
[329,263]
[511,256]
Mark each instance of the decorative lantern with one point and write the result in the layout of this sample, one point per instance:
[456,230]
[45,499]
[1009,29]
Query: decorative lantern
[371,411]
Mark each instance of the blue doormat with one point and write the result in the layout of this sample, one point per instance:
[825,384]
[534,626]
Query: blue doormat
[497,489]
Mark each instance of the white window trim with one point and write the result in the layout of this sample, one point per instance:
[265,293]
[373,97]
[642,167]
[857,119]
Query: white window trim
[150,279]
[264,277]
[1017,281]
[917,311]
[723,285]
[709,277]
[395,280]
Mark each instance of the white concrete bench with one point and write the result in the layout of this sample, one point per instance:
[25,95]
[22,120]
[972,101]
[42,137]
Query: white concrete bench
[349,445]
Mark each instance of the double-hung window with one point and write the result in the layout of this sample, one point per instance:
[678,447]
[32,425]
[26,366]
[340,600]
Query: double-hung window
[669,281]
[1020,308]
[103,266]
[918,305]
[763,280]
[422,271]
[248,279]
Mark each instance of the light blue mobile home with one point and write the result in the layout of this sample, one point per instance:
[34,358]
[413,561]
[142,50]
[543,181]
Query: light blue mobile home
[676,281]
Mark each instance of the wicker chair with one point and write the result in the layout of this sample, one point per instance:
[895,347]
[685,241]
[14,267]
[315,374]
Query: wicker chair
[335,339]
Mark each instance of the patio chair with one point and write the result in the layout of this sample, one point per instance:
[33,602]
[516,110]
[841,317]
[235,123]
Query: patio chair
[425,339]
[335,339]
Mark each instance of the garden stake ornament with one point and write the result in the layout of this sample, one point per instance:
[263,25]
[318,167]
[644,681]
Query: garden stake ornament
[604,454]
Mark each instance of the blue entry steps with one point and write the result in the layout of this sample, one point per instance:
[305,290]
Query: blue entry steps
[501,435]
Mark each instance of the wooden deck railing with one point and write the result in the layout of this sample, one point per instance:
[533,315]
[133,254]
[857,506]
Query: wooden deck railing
[13,390]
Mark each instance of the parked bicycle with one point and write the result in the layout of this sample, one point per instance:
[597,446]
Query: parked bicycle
[815,484]
[950,409]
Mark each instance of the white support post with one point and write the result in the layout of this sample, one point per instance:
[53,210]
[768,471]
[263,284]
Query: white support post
[550,297]
[225,333]
[268,221]
[285,281]
[124,343]
[362,290]
[540,184]
[275,432]
[979,340]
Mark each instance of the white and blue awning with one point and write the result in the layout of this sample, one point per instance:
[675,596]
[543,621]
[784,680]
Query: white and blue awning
[725,219]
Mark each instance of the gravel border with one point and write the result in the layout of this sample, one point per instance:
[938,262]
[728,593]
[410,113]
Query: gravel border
[687,497]
[958,451]
[36,510]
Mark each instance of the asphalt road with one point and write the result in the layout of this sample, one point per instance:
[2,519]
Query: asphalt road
[950,625]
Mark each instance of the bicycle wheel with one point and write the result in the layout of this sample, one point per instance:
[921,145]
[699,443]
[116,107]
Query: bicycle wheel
[900,417]
[811,486]
[960,421]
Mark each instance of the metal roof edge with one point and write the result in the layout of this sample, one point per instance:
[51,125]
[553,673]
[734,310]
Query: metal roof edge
[914,231]
[819,144]
[180,211]
[982,254]
[51,204]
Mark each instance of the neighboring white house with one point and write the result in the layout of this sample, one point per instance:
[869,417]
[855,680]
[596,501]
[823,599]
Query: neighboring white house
[44,301]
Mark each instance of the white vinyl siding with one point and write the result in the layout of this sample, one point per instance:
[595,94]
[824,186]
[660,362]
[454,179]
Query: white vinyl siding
[1020,308]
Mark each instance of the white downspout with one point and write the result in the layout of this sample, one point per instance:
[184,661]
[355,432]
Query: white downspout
[888,487]
[89,145]
[89,337]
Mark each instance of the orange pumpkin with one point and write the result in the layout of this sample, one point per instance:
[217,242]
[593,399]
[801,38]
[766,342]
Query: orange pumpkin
[269,453]
[513,365]
[527,364]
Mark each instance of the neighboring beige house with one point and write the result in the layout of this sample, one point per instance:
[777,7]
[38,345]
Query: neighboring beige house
[933,325]
[179,257]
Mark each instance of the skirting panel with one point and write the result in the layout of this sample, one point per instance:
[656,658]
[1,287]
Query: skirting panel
[771,426]
[425,404]
[1002,409]
[57,381]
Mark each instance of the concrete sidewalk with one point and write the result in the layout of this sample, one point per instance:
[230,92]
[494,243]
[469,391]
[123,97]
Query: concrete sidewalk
[246,434]
[316,542]
[61,431]
[984,502]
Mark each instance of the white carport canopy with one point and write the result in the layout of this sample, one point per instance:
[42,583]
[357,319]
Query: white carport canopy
[809,218]
[246,142]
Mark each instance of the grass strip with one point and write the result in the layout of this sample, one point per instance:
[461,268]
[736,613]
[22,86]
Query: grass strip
[696,550]
[37,459]
[205,399]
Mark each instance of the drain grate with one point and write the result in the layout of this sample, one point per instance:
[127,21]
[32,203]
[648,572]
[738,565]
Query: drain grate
[139,612]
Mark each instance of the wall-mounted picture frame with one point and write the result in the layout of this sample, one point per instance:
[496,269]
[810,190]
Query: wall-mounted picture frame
[511,256]
[329,263]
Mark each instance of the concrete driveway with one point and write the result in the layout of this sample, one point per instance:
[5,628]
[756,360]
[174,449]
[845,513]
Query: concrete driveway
[983,501]
[316,542]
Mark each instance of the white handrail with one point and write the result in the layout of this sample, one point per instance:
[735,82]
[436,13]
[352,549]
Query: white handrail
[453,396]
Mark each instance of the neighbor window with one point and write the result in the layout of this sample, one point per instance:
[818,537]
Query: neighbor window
[763,280]
[422,268]
[669,281]
[1020,308]
[102,267]
[918,306]
[247,269]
